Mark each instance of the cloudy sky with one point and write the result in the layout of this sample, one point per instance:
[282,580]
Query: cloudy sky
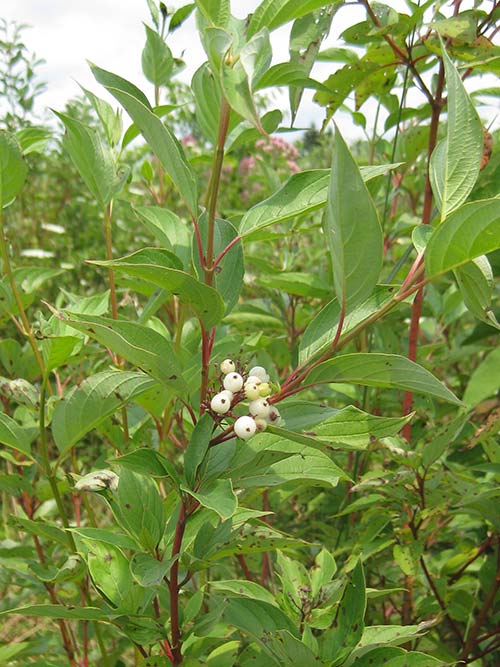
[65,33]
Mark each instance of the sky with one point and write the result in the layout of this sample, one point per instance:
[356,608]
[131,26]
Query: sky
[110,33]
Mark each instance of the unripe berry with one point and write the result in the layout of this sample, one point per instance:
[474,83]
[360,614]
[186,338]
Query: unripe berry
[253,379]
[227,366]
[260,372]
[260,408]
[245,427]
[261,424]
[233,382]
[264,390]
[220,403]
[252,391]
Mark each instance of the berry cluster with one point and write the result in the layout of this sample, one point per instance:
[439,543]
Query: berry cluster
[254,387]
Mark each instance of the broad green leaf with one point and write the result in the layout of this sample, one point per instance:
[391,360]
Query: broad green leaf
[59,611]
[207,101]
[157,59]
[149,571]
[271,14]
[92,158]
[256,618]
[352,230]
[323,571]
[312,285]
[148,462]
[111,120]
[321,330]
[161,140]
[245,589]
[33,139]
[180,15]
[382,635]
[295,583]
[204,300]
[306,37]
[381,370]
[303,193]
[88,404]
[56,350]
[469,232]
[110,573]
[106,537]
[42,529]
[455,162]
[228,279]
[216,495]
[142,346]
[216,12]
[485,380]
[13,169]
[338,642]
[14,436]
[288,651]
[476,281]
[197,447]
[169,230]
[356,429]
[138,508]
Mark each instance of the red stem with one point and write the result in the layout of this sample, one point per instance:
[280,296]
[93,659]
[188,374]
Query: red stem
[174,587]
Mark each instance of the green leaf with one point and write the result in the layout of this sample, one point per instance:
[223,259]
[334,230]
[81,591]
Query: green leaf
[216,12]
[352,230]
[169,230]
[148,462]
[381,370]
[110,573]
[303,193]
[320,332]
[56,350]
[14,436]
[161,140]
[323,571]
[484,381]
[92,158]
[41,529]
[197,448]
[245,589]
[228,280]
[33,139]
[58,611]
[455,162]
[87,405]
[139,509]
[111,120]
[302,284]
[471,231]
[180,15]
[205,300]
[382,635]
[476,281]
[256,618]
[207,101]
[356,429]
[338,642]
[271,14]
[142,346]
[157,59]
[147,570]
[106,537]
[216,495]
[13,169]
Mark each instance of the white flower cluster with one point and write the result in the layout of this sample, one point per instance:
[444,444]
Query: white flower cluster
[255,388]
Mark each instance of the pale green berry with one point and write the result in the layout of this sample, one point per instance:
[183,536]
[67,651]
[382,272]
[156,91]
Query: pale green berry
[233,382]
[245,427]
[260,408]
[252,391]
[260,372]
[264,390]
[253,379]
[220,403]
[260,423]
[227,366]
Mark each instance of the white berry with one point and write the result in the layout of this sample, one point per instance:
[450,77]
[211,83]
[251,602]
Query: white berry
[233,382]
[252,391]
[274,415]
[260,372]
[260,408]
[253,379]
[245,427]
[220,403]
[227,366]
[227,393]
